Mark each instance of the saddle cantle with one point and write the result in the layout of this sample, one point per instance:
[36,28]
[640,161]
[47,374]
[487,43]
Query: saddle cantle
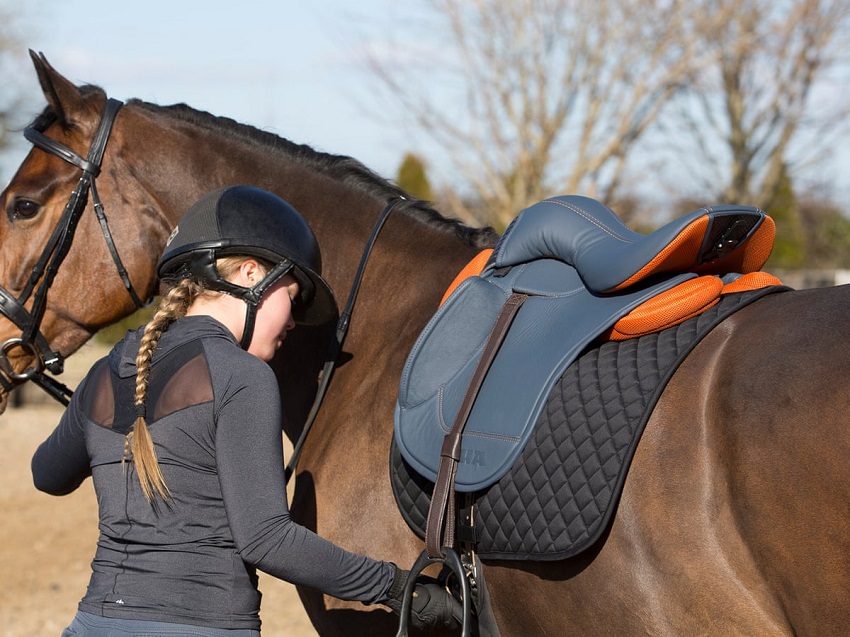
[582,270]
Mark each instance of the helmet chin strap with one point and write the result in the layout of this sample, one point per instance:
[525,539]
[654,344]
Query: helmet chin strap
[253,296]
[248,330]
[203,267]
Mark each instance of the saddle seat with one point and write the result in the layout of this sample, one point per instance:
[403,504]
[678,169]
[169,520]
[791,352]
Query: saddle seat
[582,270]
[609,257]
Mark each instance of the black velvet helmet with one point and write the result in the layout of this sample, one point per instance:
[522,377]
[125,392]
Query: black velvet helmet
[244,220]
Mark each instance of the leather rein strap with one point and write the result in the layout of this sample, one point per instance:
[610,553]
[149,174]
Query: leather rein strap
[339,337]
[440,526]
[45,270]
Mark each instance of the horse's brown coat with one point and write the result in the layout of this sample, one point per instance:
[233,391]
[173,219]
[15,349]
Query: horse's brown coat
[734,519]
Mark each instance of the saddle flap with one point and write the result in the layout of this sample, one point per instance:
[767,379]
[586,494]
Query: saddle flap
[455,335]
[557,322]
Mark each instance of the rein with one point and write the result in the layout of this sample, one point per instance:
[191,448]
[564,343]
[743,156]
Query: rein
[45,270]
[449,557]
[339,337]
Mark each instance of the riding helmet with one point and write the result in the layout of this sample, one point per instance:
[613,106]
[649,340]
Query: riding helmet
[244,220]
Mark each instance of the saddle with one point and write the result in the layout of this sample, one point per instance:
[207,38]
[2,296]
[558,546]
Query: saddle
[566,273]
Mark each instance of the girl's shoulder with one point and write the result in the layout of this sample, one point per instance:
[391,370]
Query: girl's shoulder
[231,366]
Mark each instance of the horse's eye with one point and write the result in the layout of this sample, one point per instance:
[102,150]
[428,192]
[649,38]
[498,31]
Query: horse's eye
[25,209]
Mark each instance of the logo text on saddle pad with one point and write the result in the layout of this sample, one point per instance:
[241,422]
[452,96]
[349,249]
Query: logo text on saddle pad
[473,457]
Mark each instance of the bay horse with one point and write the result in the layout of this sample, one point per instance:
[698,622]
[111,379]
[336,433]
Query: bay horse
[735,518]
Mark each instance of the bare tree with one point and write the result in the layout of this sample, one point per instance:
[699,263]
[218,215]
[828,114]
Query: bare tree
[743,116]
[12,56]
[528,98]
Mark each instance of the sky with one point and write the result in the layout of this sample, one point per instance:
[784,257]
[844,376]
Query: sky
[290,67]
[294,68]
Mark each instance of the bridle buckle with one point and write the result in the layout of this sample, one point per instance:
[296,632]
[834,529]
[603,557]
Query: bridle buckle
[30,348]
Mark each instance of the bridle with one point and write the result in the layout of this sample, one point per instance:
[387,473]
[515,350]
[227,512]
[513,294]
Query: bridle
[32,341]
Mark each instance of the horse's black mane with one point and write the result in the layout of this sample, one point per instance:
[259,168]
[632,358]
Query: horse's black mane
[340,167]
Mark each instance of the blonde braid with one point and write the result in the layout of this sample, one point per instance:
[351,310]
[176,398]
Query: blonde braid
[138,445]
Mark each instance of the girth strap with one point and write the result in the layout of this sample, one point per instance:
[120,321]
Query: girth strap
[440,527]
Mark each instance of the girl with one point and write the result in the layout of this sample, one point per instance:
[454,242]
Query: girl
[185,522]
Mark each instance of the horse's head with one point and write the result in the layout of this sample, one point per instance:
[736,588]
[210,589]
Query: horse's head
[156,161]
[63,172]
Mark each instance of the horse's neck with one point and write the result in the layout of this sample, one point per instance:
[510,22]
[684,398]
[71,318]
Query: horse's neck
[341,214]
[215,159]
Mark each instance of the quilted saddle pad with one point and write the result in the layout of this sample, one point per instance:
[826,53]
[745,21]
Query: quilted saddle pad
[561,491]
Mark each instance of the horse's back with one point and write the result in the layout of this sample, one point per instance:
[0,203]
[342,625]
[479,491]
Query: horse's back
[780,422]
[734,517]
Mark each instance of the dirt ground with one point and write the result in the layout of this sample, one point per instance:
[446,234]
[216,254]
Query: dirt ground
[48,542]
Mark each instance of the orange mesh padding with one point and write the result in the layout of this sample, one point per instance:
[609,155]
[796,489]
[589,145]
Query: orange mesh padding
[669,308]
[749,258]
[751,281]
[678,256]
[473,268]
[686,300]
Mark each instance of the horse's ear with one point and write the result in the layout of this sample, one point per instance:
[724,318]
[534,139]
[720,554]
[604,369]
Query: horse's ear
[62,95]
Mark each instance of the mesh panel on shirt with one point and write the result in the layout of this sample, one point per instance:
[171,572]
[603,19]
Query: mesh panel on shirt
[178,380]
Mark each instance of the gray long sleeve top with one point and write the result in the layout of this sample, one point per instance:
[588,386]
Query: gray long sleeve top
[214,415]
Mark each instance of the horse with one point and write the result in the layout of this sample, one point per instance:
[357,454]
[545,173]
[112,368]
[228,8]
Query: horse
[735,516]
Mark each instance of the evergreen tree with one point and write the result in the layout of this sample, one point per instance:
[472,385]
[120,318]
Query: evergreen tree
[789,249]
[412,178]
[827,231]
